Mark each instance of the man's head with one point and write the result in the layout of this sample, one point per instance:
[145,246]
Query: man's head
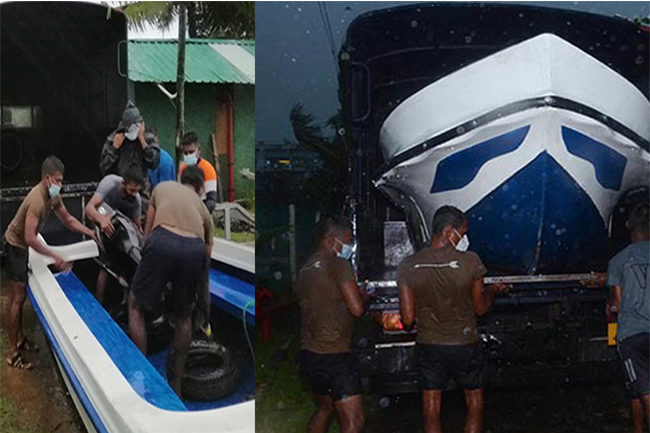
[131,120]
[52,172]
[449,226]
[191,148]
[193,176]
[639,222]
[334,233]
[132,181]
[151,137]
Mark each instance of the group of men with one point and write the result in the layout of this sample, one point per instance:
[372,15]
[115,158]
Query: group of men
[442,288]
[178,232]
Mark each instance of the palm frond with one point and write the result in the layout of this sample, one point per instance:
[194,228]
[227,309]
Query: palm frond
[157,14]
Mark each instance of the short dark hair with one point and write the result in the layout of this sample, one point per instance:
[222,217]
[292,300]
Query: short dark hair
[193,176]
[133,175]
[151,136]
[190,138]
[52,165]
[639,220]
[332,224]
[447,216]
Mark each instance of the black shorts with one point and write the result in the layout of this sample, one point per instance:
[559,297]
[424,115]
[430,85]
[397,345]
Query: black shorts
[463,363]
[168,257]
[635,356]
[16,262]
[330,374]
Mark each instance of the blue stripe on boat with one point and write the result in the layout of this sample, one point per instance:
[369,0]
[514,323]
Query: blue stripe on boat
[458,169]
[67,368]
[609,164]
[232,295]
[529,222]
[135,367]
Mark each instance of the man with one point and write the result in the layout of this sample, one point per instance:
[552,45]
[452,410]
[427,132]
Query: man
[628,277]
[20,235]
[122,194]
[126,147]
[192,156]
[167,168]
[443,287]
[329,300]
[178,245]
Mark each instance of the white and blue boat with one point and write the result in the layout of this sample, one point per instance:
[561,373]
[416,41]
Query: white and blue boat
[115,387]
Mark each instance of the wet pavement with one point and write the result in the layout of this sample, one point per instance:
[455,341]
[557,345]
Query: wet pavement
[38,395]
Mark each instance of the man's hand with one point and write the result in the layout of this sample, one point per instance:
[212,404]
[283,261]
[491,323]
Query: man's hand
[501,288]
[61,264]
[107,226]
[143,142]
[92,235]
[118,139]
[599,279]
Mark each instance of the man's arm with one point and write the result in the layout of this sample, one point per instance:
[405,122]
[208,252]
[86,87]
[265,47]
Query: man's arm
[616,297]
[406,305]
[483,297]
[30,235]
[110,153]
[73,223]
[150,154]
[104,221]
[151,214]
[352,297]
[210,200]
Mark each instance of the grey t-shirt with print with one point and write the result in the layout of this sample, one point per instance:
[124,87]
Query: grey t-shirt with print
[110,191]
[629,270]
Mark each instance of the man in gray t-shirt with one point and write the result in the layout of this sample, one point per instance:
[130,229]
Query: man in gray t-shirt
[627,275]
[122,194]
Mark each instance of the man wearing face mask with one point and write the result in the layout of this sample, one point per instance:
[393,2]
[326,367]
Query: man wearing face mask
[122,194]
[126,147]
[192,156]
[329,301]
[443,287]
[20,235]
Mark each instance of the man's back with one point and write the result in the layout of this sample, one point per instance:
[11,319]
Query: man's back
[326,323]
[166,170]
[179,207]
[442,280]
[629,270]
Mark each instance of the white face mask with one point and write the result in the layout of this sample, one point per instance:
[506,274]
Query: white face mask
[132,132]
[463,243]
[346,250]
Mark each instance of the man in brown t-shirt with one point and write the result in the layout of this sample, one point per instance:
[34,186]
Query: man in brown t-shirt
[20,235]
[329,300]
[443,287]
[179,234]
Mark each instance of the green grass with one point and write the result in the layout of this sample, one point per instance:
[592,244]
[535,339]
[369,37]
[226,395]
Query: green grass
[8,419]
[235,236]
[284,402]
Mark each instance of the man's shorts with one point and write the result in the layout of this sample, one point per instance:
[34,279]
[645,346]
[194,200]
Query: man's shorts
[330,374]
[635,356]
[15,262]
[168,257]
[463,363]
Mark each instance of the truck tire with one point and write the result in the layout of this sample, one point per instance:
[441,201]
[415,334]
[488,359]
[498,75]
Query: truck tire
[211,372]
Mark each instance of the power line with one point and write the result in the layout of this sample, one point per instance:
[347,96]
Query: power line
[327,26]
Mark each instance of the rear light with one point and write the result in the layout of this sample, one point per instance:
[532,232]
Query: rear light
[391,321]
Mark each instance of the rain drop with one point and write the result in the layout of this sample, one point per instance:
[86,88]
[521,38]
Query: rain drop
[468,39]
[414,24]
[460,130]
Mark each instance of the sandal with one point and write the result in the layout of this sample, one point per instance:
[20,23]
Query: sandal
[18,362]
[28,345]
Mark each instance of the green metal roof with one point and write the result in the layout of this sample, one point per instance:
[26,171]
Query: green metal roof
[206,61]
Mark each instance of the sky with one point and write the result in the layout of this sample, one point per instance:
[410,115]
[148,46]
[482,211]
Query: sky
[294,62]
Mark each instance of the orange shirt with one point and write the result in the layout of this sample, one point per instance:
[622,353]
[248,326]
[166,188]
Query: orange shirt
[208,171]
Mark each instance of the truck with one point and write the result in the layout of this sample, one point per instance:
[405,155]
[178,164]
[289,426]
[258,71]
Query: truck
[532,121]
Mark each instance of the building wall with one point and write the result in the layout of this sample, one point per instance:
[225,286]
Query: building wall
[200,109]
[244,96]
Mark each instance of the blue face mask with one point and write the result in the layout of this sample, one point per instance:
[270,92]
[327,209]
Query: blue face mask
[190,159]
[346,250]
[54,190]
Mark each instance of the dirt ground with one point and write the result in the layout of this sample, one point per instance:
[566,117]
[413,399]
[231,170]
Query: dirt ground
[39,397]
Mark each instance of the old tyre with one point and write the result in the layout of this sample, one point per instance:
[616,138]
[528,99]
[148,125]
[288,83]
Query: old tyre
[211,372]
